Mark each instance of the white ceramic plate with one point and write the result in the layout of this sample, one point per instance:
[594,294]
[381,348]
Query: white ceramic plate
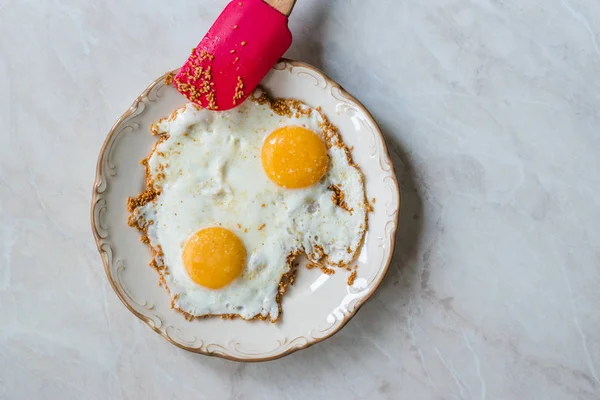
[318,305]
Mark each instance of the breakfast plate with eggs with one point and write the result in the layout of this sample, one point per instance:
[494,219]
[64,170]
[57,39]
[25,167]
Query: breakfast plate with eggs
[250,233]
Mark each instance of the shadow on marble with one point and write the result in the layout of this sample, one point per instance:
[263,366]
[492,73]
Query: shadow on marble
[308,46]
[410,224]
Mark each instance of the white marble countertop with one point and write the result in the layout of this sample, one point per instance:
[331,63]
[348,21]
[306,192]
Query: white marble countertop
[491,111]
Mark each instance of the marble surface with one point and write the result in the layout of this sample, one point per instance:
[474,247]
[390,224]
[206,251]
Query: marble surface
[491,112]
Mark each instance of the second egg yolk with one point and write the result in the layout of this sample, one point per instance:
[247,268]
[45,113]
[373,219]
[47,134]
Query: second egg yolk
[214,257]
[294,157]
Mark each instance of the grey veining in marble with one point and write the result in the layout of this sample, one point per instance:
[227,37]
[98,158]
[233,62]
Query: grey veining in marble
[491,112]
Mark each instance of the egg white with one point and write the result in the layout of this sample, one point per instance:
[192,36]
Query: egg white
[209,173]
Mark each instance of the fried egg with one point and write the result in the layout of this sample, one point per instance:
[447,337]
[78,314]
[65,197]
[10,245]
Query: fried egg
[234,196]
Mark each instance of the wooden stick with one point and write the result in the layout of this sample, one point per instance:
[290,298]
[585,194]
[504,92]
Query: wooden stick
[283,6]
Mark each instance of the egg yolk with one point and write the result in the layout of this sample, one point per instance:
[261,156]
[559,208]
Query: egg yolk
[294,157]
[214,257]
